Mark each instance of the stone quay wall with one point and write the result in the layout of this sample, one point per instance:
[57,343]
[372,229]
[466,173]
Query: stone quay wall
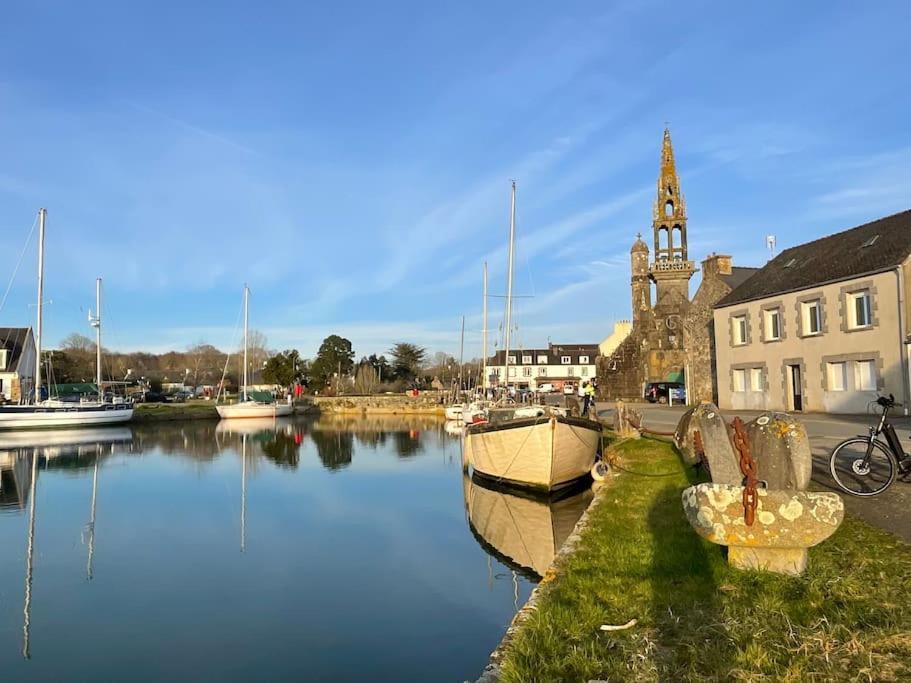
[386,404]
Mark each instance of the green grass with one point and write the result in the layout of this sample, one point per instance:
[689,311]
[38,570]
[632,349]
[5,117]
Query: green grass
[189,410]
[847,618]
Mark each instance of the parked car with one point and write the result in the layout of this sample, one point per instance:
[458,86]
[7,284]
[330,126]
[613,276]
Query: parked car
[545,388]
[658,392]
[155,397]
[569,389]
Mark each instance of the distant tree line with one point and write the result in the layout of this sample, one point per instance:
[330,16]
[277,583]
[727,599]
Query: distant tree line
[333,370]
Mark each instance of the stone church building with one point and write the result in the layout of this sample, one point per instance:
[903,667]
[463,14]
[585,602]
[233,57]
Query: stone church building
[672,336]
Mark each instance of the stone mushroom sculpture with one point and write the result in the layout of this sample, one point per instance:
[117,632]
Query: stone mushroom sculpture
[787,519]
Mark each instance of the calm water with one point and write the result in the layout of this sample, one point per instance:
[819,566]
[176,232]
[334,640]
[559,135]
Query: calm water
[332,550]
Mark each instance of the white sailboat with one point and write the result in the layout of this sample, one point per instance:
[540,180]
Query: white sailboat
[54,412]
[537,447]
[248,407]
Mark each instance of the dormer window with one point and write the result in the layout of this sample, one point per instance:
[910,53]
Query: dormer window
[870,242]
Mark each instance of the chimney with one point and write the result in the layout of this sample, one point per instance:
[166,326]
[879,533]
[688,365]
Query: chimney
[715,265]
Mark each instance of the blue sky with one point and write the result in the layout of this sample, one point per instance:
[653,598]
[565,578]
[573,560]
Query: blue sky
[351,161]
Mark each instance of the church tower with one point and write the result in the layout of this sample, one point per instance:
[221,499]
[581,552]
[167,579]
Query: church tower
[671,270]
[640,284]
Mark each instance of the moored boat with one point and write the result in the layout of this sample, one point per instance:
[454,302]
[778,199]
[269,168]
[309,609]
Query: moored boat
[545,452]
[52,413]
[252,404]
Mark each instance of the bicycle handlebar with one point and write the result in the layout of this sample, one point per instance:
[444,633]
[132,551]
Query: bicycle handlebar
[888,401]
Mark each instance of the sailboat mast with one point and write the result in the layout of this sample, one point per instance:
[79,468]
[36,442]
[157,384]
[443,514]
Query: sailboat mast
[461,355]
[97,323]
[484,335]
[509,265]
[42,215]
[246,326]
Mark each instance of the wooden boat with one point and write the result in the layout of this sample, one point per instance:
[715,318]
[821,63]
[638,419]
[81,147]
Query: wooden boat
[522,531]
[546,452]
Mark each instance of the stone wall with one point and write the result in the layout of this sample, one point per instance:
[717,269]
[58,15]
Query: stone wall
[698,330]
[390,404]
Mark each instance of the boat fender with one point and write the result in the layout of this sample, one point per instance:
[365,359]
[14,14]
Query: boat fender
[600,471]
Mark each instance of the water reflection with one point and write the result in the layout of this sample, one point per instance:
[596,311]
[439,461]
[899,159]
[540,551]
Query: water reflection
[337,521]
[522,531]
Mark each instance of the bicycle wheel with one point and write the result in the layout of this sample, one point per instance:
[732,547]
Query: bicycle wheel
[857,477]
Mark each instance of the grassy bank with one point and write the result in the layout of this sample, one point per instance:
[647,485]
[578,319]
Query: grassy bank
[847,618]
[191,410]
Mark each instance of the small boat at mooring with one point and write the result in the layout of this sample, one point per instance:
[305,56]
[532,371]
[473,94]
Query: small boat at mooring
[252,404]
[546,452]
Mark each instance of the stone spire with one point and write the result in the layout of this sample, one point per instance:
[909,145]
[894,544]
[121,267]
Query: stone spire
[670,203]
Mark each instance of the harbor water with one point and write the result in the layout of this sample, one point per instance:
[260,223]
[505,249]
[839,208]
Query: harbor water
[329,550]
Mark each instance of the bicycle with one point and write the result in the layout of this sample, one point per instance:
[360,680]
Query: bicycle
[865,465]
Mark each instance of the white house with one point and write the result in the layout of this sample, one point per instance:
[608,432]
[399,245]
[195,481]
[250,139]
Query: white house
[17,363]
[824,326]
[557,365]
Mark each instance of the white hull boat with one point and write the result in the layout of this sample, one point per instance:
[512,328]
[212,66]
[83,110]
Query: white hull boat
[543,453]
[455,412]
[60,414]
[54,413]
[250,409]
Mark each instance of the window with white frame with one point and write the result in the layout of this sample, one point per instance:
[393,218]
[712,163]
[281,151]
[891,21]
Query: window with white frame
[570,372]
[772,324]
[584,371]
[497,371]
[526,360]
[526,372]
[865,375]
[512,360]
[811,318]
[739,329]
[583,360]
[740,380]
[542,372]
[566,360]
[860,312]
[756,379]
[542,360]
[836,380]
[512,372]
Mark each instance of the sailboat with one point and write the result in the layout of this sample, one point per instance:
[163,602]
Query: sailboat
[247,406]
[538,447]
[54,412]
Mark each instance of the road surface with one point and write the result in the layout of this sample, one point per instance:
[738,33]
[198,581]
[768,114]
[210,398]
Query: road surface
[890,510]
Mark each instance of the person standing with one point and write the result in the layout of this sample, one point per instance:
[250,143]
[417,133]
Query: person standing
[583,395]
[589,397]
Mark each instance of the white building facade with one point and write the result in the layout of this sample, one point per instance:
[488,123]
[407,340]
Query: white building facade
[17,363]
[823,327]
[556,367]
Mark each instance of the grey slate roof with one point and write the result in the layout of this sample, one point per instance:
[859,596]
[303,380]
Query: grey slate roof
[13,339]
[841,256]
[739,275]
